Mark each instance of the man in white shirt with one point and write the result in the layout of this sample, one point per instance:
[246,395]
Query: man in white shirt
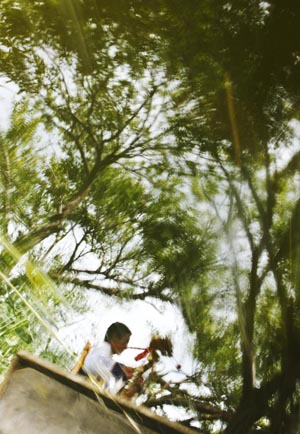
[100,360]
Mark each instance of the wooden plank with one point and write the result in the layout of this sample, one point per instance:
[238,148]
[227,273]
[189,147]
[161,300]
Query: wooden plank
[34,403]
[80,362]
[140,414]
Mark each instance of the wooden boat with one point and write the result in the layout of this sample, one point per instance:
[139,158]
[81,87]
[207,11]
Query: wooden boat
[38,397]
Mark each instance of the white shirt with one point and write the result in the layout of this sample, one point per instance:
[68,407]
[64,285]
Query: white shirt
[99,361]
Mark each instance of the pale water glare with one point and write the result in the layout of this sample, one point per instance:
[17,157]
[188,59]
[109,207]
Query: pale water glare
[8,93]
[143,318]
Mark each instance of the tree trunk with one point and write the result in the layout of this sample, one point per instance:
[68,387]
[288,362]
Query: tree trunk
[253,407]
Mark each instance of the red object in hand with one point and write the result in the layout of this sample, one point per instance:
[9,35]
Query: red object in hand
[140,356]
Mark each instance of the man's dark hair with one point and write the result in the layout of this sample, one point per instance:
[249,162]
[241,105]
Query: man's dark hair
[118,330]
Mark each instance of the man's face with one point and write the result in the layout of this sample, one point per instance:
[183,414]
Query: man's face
[119,344]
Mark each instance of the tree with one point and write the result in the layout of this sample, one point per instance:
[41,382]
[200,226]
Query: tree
[140,98]
[241,121]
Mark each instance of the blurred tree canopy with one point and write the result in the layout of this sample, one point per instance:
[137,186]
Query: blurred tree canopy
[153,152]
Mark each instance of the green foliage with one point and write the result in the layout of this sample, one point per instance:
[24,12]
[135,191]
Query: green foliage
[21,184]
[21,327]
[269,335]
[146,138]
[179,251]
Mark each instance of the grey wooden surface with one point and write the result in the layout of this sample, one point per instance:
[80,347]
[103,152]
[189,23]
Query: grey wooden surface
[38,397]
[33,403]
